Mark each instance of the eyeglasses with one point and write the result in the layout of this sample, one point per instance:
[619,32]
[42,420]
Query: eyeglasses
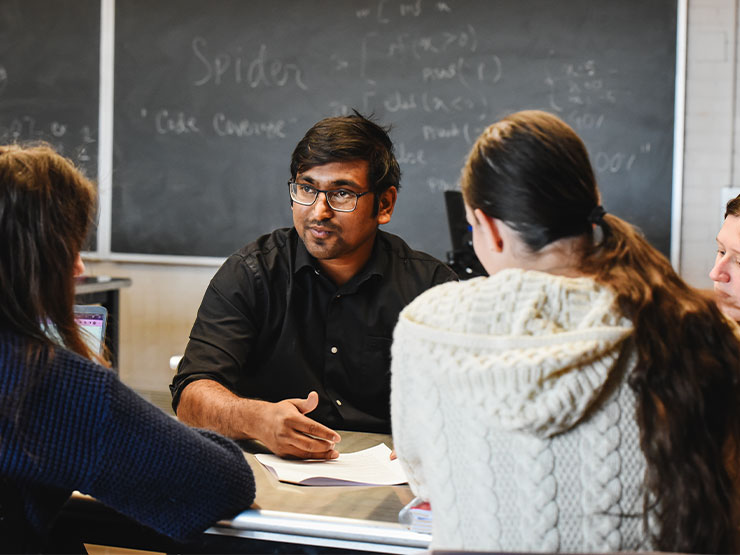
[340,200]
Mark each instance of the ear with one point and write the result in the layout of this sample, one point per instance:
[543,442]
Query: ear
[386,204]
[490,230]
[79,266]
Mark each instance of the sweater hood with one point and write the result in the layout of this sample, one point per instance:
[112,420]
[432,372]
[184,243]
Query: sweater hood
[535,349]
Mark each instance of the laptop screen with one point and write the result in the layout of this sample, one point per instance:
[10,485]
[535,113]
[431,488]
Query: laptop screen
[92,321]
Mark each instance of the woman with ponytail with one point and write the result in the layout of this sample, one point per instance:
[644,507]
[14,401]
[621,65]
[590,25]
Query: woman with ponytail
[66,422]
[582,397]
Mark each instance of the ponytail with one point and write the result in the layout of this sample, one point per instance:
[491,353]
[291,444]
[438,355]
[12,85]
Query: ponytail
[687,387]
[532,171]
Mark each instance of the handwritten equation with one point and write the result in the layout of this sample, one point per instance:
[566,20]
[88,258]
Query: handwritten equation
[442,77]
[229,91]
[78,143]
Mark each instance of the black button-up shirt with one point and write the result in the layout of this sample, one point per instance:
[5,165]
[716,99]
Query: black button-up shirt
[271,326]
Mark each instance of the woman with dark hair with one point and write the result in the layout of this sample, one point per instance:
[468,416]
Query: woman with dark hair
[726,270]
[582,397]
[67,423]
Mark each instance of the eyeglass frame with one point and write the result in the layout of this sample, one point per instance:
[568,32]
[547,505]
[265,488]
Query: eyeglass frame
[326,195]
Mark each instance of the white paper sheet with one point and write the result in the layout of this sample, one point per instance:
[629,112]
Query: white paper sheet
[368,467]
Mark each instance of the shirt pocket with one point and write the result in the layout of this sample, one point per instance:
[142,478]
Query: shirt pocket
[375,374]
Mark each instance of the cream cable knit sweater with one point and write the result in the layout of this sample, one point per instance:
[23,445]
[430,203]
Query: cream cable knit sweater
[512,416]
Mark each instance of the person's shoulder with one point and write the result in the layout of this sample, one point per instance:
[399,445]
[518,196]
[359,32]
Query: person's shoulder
[439,303]
[62,367]
[544,284]
[78,367]
[266,254]
[446,294]
[269,243]
[512,288]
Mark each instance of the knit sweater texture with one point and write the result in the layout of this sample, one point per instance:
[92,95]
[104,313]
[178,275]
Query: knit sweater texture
[512,416]
[68,424]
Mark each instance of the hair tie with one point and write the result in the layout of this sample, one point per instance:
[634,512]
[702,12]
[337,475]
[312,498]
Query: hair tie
[596,216]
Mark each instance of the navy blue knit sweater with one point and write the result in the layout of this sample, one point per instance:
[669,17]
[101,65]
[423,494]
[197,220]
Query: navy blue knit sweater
[68,424]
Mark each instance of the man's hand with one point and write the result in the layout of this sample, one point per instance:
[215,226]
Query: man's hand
[287,432]
[282,427]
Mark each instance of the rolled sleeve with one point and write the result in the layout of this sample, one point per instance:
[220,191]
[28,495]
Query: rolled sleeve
[224,331]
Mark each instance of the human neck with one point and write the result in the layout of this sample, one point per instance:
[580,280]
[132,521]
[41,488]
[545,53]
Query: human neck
[562,258]
[341,270]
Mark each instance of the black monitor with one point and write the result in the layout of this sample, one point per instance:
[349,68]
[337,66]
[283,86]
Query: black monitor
[462,257]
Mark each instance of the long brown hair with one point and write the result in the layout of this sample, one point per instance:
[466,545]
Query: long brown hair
[46,207]
[532,171]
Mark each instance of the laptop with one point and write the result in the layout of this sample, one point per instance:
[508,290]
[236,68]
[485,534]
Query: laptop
[92,320]
[462,257]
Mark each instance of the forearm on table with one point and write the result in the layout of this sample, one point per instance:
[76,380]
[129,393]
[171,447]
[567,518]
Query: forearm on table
[208,404]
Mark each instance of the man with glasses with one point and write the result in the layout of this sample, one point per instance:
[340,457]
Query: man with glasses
[300,321]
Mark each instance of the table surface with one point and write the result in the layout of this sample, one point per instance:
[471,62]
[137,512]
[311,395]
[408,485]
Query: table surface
[336,516]
[95,284]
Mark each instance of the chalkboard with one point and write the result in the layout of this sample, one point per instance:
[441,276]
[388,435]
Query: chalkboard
[49,76]
[211,98]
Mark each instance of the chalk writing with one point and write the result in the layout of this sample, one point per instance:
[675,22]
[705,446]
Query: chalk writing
[398,101]
[87,135]
[58,129]
[381,18]
[586,121]
[580,85]
[413,9]
[411,157]
[340,63]
[613,163]
[386,12]
[180,123]
[451,131]
[448,72]
[66,140]
[255,71]
[464,40]
[224,126]
[177,123]
[439,185]
[337,108]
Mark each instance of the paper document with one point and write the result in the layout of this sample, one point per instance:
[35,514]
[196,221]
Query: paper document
[368,467]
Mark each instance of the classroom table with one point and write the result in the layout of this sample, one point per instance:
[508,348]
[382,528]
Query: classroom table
[361,518]
[319,519]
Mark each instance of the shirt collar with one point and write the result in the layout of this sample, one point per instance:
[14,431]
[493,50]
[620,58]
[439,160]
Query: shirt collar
[376,264]
[302,258]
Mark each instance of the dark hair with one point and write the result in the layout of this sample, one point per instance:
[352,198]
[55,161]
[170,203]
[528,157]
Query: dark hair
[733,207]
[532,171]
[46,207]
[348,138]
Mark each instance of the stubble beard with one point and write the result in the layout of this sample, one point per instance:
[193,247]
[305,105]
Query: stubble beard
[324,249]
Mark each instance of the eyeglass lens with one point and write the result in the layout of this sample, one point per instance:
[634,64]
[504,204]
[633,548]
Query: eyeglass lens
[340,199]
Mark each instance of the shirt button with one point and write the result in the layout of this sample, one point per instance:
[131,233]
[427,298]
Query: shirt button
[339,402]
[334,350]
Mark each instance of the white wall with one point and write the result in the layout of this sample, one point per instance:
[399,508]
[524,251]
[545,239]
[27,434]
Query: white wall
[710,157]
[159,308]
[157,312]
